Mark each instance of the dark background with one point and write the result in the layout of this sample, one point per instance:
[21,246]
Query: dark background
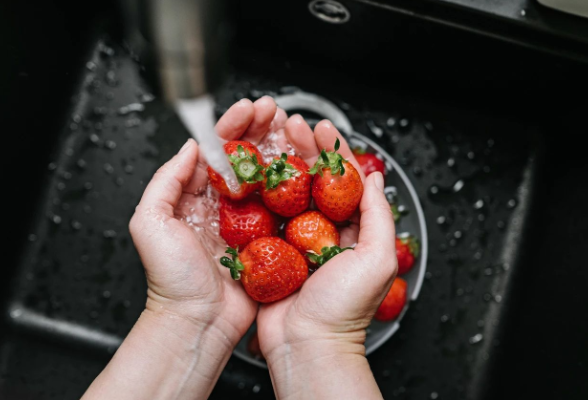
[527,94]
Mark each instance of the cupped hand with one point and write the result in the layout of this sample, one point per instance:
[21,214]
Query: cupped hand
[183,280]
[336,304]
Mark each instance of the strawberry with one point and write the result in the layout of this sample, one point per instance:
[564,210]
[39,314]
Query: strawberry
[246,220]
[394,301]
[245,159]
[369,162]
[407,248]
[336,189]
[269,268]
[314,236]
[287,186]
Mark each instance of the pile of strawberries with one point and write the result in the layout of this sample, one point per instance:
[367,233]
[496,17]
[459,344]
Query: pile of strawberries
[269,267]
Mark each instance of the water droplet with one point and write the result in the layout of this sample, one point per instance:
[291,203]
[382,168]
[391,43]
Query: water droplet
[106,294]
[477,338]
[120,181]
[94,138]
[32,237]
[404,124]
[60,186]
[506,266]
[77,225]
[76,118]
[434,189]
[15,313]
[523,13]
[111,78]
[132,122]
[471,155]
[479,204]
[500,225]
[130,108]
[434,395]
[444,318]
[488,271]
[88,185]
[56,219]
[391,123]
[109,169]
[106,50]
[481,217]
[487,297]
[375,129]
[477,255]
[457,186]
[428,275]
[109,234]
[457,234]
[110,144]
[256,388]
[91,66]
[146,97]
[129,169]
[498,298]
[81,163]
[512,203]
[441,220]
[428,126]
[451,162]
[52,166]
[417,171]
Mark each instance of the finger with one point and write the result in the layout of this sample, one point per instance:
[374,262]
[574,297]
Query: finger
[236,120]
[376,226]
[326,134]
[167,185]
[279,120]
[265,110]
[300,136]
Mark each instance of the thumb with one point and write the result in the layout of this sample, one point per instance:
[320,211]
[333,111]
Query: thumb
[376,226]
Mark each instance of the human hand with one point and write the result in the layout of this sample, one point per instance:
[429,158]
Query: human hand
[183,280]
[327,318]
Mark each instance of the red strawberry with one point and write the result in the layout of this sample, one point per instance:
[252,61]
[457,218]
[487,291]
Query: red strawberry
[313,235]
[246,220]
[269,268]
[287,186]
[394,301]
[369,162]
[407,248]
[336,189]
[245,159]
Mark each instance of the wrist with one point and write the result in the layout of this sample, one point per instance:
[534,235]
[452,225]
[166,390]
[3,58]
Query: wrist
[329,369]
[187,318]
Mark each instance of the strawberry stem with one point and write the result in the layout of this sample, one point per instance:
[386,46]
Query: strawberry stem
[246,166]
[234,264]
[413,244]
[278,171]
[326,254]
[332,160]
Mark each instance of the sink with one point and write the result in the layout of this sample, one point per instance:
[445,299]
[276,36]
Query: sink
[495,165]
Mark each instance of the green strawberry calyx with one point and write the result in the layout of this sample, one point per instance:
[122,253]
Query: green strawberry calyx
[234,264]
[359,151]
[395,213]
[326,254]
[329,159]
[278,171]
[246,166]
[413,244]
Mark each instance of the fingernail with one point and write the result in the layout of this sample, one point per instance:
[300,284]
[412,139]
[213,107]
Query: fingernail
[185,146]
[379,180]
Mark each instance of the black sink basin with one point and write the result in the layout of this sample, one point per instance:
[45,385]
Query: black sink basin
[496,165]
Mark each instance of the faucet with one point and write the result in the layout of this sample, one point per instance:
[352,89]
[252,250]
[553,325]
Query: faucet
[183,45]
